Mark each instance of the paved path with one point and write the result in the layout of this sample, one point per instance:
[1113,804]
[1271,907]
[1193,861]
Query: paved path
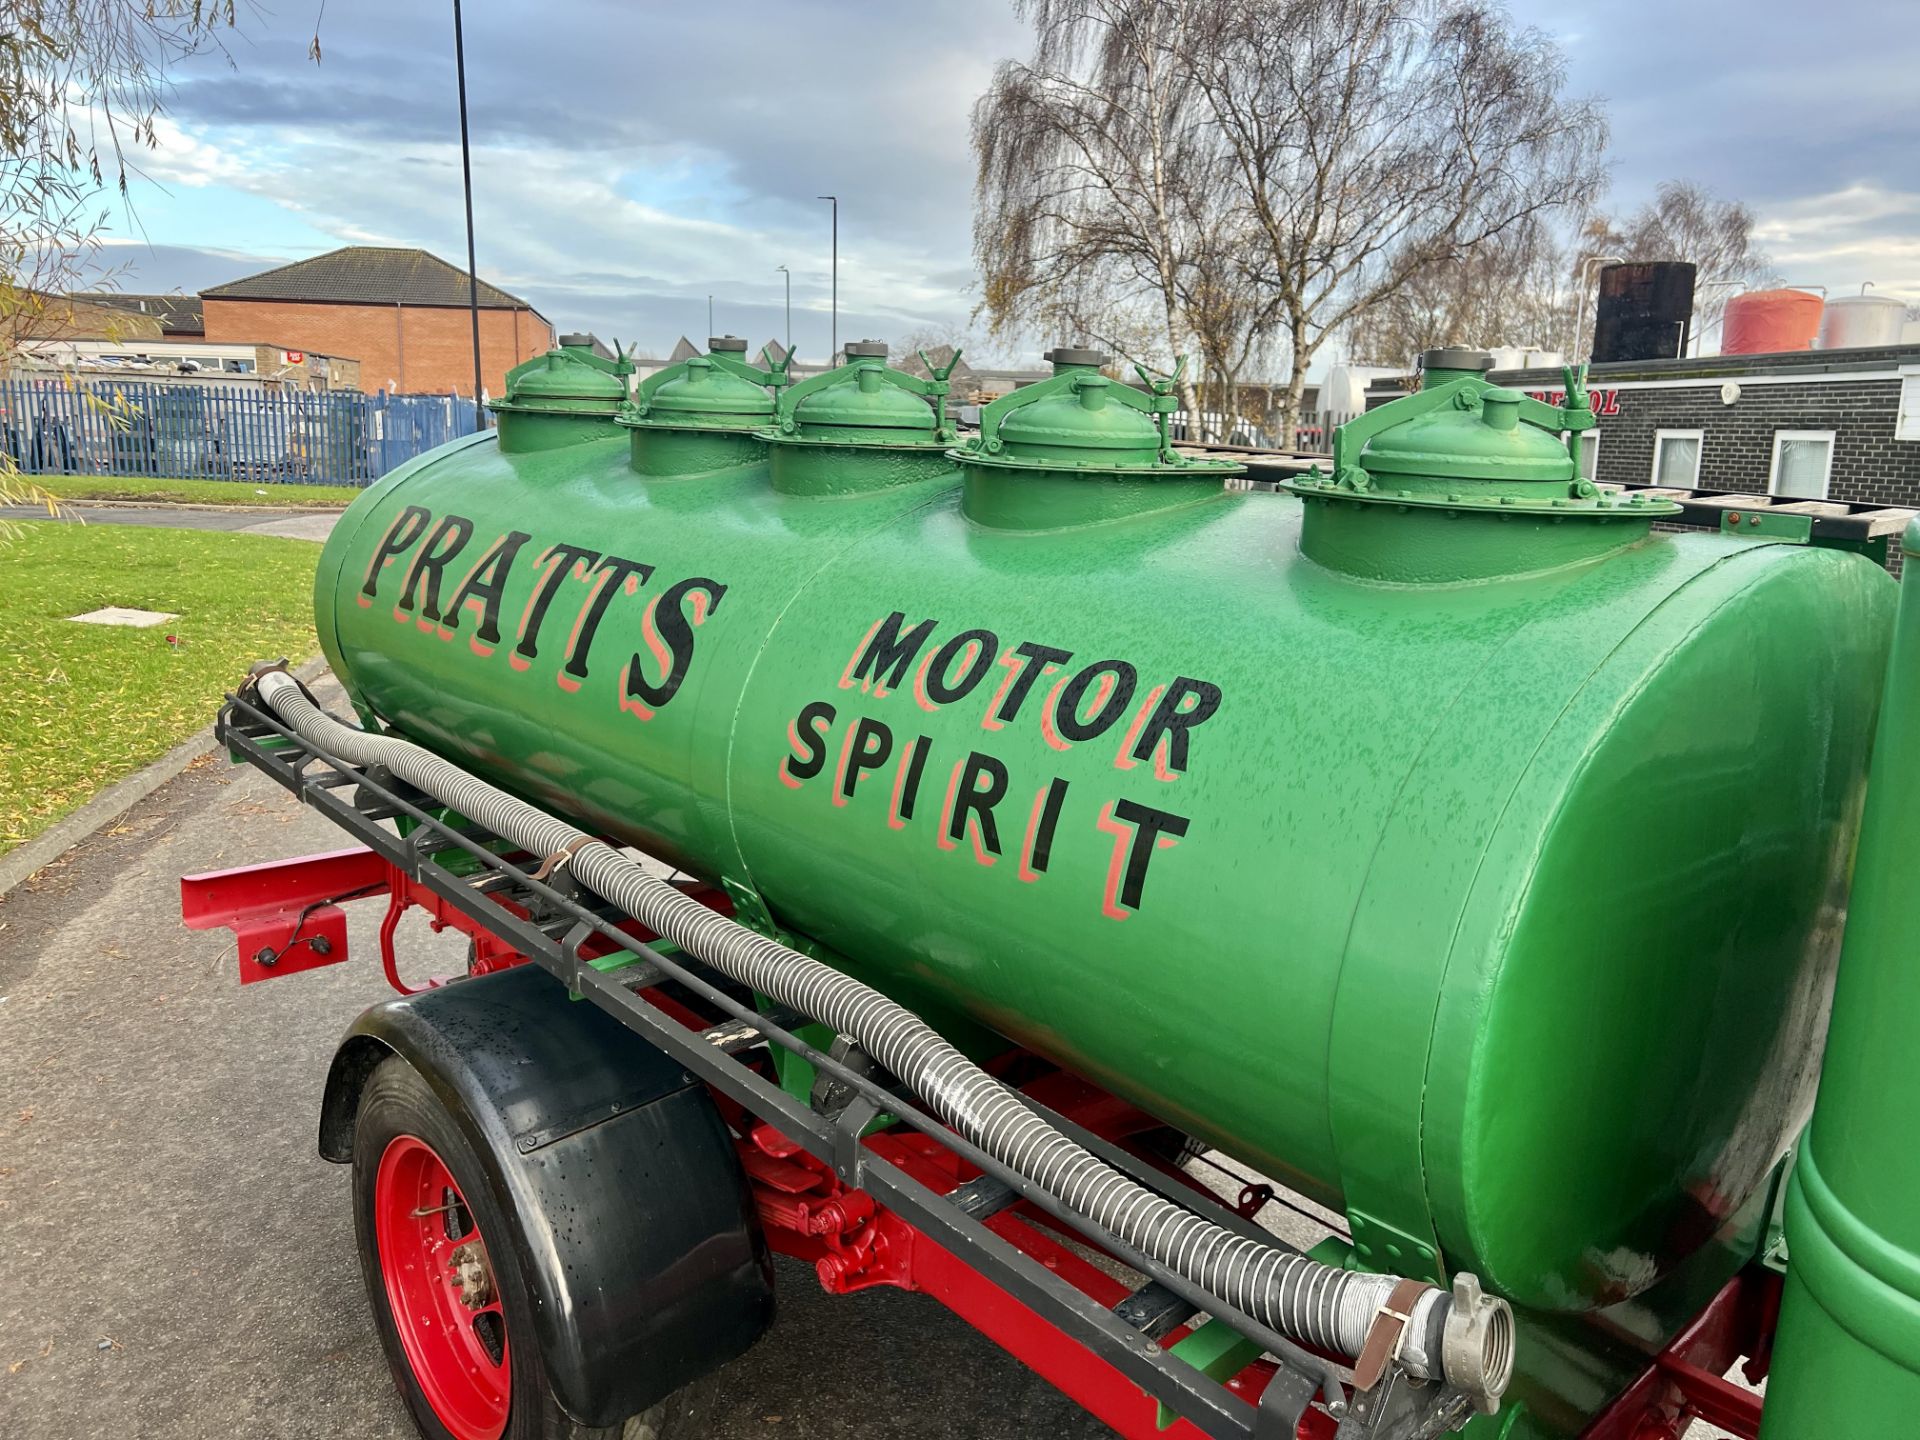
[290,524]
[176,1261]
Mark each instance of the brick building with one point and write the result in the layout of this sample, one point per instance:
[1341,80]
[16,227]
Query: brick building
[1839,425]
[402,313]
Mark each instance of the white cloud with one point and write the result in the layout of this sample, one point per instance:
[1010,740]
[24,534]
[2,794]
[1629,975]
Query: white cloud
[557,221]
[180,157]
[1860,233]
[630,160]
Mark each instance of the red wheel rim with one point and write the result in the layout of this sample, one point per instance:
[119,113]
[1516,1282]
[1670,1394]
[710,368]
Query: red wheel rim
[433,1262]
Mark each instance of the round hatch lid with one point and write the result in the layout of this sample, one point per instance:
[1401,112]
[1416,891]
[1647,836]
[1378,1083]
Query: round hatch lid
[865,399]
[706,393]
[1480,438]
[1080,424]
[567,381]
[1063,356]
[1460,359]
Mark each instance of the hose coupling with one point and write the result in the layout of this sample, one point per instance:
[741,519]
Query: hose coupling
[1477,1344]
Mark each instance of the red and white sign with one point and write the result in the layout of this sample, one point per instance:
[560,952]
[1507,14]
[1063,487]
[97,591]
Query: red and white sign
[293,357]
[1604,402]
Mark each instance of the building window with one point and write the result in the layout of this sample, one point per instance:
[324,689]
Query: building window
[1590,456]
[1676,458]
[1802,462]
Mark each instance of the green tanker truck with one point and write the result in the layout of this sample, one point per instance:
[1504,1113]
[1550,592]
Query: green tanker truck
[1453,843]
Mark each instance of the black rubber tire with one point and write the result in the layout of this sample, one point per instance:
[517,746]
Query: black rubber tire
[397,1101]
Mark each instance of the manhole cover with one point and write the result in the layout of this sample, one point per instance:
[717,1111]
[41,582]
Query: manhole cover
[121,615]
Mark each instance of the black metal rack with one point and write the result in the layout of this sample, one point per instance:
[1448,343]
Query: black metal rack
[1823,520]
[560,920]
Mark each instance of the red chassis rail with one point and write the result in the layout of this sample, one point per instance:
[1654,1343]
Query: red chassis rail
[287,918]
[1686,1380]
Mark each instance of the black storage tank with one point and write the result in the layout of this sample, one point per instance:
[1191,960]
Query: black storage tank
[1645,311]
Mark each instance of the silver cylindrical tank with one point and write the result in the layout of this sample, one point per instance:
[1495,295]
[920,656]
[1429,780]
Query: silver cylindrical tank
[1854,322]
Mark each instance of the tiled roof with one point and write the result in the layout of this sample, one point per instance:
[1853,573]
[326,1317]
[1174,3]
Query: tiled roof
[177,314]
[367,275]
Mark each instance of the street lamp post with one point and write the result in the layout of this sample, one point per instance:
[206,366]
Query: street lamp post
[709,315]
[836,275]
[466,185]
[789,274]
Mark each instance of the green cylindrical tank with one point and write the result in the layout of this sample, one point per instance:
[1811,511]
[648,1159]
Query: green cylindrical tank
[1438,837]
[1847,1359]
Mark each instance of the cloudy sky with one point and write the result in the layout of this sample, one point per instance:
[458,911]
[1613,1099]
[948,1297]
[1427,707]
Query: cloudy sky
[631,159]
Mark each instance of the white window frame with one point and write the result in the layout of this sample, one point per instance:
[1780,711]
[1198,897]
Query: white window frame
[1773,466]
[1906,423]
[1699,454]
[1590,455]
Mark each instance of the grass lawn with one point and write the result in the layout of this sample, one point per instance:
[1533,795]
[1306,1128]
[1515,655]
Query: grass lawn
[195,492]
[83,705]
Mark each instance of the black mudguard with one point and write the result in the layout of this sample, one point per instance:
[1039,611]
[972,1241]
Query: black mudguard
[633,1222]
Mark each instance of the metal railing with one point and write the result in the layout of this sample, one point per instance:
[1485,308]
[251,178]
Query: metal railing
[1313,433]
[109,426]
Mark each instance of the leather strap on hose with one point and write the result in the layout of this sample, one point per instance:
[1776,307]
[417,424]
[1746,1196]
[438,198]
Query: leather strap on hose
[1383,1340]
[560,858]
[250,687]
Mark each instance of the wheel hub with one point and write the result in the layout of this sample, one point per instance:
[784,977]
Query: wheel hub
[472,1274]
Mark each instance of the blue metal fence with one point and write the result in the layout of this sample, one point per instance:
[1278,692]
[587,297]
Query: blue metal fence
[220,432]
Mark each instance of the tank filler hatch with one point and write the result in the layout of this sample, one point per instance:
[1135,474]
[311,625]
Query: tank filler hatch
[567,380]
[715,391]
[568,395]
[1465,481]
[1042,450]
[864,402]
[1463,443]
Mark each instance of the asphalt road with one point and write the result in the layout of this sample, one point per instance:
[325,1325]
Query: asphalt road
[290,525]
[176,1261]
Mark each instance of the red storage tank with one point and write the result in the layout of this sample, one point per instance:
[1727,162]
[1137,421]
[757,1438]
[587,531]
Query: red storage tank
[1761,322]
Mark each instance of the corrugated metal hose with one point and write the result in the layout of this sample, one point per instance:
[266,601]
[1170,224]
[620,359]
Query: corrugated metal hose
[1464,1338]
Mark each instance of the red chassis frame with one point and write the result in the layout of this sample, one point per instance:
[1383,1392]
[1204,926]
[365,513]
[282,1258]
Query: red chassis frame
[286,915]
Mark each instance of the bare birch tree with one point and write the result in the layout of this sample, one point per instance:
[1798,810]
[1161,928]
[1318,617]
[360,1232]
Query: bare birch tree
[1089,155]
[1375,139]
[1509,291]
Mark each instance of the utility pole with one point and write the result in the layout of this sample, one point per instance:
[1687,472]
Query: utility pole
[789,274]
[709,315]
[466,181]
[835,359]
